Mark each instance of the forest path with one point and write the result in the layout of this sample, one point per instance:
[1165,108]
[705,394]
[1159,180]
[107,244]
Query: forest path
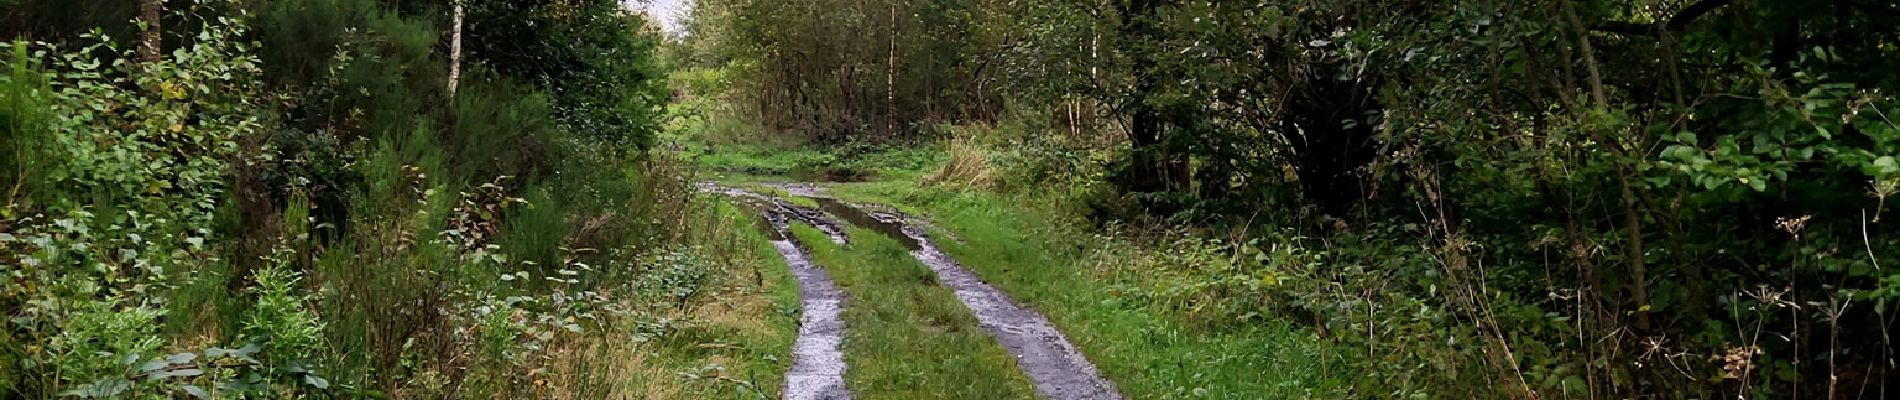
[817,371]
[1057,368]
[1051,361]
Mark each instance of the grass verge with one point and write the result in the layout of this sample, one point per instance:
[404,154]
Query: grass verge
[1033,254]
[735,346]
[907,337]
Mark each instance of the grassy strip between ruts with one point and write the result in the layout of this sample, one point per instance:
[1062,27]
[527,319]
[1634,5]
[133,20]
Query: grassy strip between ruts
[906,336]
[1147,353]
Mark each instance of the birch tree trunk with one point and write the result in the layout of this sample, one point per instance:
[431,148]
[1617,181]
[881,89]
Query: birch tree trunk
[890,78]
[455,50]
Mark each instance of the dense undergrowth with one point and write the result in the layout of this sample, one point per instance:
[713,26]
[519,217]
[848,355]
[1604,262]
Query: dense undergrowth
[1137,308]
[1495,199]
[287,202]
[706,128]
[1273,307]
[1374,311]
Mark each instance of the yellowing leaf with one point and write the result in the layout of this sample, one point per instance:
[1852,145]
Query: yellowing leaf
[172,91]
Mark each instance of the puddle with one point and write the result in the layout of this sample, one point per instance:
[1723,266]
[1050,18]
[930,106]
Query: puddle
[779,213]
[887,224]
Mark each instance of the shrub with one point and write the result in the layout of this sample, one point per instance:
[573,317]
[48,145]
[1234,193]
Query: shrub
[128,160]
[336,217]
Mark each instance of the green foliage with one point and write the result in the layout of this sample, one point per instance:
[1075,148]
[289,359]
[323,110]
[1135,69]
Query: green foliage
[95,342]
[309,195]
[838,71]
[1018,153]
[702,113]
[499,129]
[129,158]
[22,113]
[360,69]
[123,126]
[596,62]
[1506,197]
[280,319]
[1138,311]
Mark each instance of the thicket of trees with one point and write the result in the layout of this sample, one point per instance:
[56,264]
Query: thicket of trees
[299,199]
[851,69]
[1674,198]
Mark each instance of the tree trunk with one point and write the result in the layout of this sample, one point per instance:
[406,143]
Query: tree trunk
[890,78]
[455,50]
[1145,173]
[150,42]
[1144,135]
[1633,221]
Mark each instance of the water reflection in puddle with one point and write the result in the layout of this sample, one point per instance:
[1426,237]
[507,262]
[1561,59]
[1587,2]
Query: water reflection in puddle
[888,225]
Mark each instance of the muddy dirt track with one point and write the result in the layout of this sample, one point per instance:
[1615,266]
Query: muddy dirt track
[817,371]
[1044,354]
[1057,368]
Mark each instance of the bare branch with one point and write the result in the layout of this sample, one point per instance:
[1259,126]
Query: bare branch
[1681,20]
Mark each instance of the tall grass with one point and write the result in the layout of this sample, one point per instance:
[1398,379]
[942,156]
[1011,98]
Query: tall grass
[1101,291]
[23,115]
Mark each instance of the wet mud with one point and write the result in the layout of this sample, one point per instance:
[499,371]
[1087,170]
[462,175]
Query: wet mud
[818,366]
[1044,354]
[1047,356]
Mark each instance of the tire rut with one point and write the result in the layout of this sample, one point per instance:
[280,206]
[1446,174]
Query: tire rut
[1056,367]
[817,371]
[1051,361]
